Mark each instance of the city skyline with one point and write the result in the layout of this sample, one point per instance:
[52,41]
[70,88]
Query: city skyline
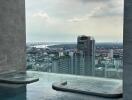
[85,58]
[57,21]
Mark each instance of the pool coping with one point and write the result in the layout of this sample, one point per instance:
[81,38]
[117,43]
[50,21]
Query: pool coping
[60,86]
[12,80]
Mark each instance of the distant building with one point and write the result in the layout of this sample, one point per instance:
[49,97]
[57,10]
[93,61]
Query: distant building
[55,66]
[111,53]
[64,64]
[86,44]
[71,54]
[78,63]
[61,54]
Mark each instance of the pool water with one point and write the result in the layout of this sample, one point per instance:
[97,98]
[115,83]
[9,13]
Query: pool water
[42,90]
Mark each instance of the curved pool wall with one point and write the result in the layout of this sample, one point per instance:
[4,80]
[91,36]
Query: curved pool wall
[18,78]
[63,86]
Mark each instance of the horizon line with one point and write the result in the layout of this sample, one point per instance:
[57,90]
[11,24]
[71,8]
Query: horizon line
[71,42]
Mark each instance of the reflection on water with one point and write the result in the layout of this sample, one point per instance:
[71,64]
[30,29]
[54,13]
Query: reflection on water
[17,92]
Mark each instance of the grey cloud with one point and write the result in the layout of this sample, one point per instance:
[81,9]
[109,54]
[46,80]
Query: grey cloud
[111,8]
[100,8]
[93,1]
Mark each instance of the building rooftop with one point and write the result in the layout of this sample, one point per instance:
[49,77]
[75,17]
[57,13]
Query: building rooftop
[42,90]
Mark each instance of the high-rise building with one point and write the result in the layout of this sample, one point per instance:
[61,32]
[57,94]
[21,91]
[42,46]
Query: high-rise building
[55,66]
[71,54]
[78,63]
[64,64]
[86,44]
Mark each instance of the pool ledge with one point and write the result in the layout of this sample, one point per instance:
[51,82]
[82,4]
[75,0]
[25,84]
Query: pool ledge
[14,77]
[63,86]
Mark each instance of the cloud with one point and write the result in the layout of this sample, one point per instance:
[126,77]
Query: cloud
[42,18]
[41,14]
[77,19]
[110,8]
[87,1]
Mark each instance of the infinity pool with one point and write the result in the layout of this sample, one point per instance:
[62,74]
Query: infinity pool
[42,90]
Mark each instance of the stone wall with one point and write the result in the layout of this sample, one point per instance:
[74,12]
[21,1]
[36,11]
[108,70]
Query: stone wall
[12,35]
[127,78]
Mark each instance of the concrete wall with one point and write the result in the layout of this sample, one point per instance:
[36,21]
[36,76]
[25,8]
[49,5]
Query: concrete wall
[127,50]
[12,35]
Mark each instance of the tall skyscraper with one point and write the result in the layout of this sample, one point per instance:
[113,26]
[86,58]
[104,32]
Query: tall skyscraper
[86,44]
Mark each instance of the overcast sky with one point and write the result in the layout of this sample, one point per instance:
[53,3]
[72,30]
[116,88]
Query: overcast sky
[64,20]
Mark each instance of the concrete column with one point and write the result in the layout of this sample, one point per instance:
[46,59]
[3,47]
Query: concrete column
[127,62]
[12,35]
